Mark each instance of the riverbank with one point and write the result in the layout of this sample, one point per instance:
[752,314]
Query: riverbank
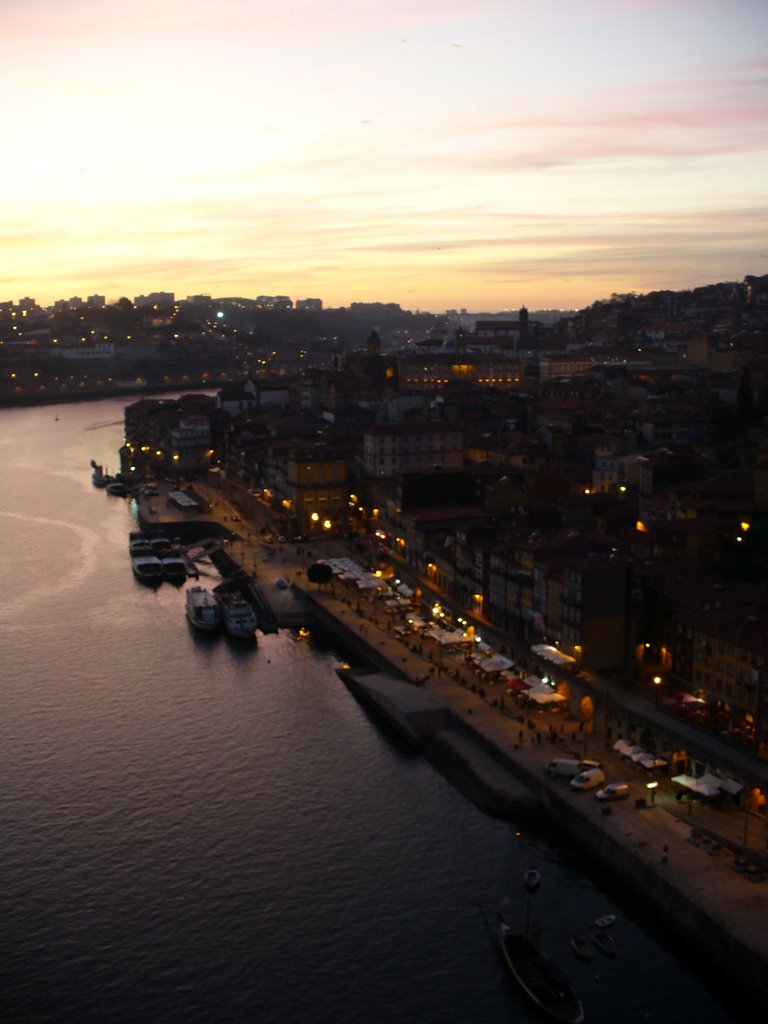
[696,890]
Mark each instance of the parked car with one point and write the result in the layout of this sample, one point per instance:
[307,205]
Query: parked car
[589,779]
[613,791]
[569,766]
[562,766]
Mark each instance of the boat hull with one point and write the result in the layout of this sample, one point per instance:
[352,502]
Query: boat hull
[147,569]
[538,977]
[201,610]
[238,616]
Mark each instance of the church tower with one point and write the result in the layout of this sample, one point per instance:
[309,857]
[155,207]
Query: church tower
[374,344]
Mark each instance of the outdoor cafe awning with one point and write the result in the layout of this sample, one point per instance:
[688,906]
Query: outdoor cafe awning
[731,786]
[552,654]
[498,663]
[650,761]
[696,785]
[725,785]
[516,684]
[544,695]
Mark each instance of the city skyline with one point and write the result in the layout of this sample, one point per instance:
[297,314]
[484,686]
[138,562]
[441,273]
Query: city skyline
[432,156]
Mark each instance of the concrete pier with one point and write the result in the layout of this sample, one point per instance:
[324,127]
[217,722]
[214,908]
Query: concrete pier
[416,715]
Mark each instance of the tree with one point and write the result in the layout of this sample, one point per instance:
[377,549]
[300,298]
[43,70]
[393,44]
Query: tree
[319,573]
[745,398]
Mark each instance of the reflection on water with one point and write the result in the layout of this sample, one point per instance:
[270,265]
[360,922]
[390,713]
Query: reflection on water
[199,831]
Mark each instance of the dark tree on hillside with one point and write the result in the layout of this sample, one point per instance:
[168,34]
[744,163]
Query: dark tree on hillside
[745,398]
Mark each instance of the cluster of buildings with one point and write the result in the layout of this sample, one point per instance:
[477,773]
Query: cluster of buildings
[608,501]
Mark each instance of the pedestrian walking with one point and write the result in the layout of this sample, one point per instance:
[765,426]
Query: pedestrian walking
[520,736]
[665,854]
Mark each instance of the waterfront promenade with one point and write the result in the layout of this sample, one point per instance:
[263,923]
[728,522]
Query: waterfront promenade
[692,859]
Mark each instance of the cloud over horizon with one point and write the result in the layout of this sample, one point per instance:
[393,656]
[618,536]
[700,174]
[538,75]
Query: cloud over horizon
[355,146]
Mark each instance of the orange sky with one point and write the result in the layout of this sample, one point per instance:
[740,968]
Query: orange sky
[434,154]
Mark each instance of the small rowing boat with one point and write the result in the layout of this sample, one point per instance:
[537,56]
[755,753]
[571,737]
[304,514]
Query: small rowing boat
[582,947]
[605,943]
[606,921]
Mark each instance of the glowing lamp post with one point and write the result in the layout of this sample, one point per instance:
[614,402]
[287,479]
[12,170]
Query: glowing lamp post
[656,685]
[652,786]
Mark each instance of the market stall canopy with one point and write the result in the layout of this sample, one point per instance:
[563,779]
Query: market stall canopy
[517,684]
[622,746]
[552,654]
[696,785]
[498,663]
[724,785]
[650,761]
[405,590]
[447,637]
[732,786]
[368,582]
[544,695]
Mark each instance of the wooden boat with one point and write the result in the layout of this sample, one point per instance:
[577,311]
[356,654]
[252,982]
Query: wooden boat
[174,568]
[605,943]
[147,569]
[606,921]
[582,947]
[541,980]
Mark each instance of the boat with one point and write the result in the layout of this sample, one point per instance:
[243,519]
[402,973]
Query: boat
[238,615]
[582,947]
[174,568]
[99,477]
[118,489]
[161,546]
[605,943]
[202,609]
[147,568]
[605,921]
[138,544]
[538,976]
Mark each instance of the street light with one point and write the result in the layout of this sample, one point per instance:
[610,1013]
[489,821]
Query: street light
[653,786]
[656,685]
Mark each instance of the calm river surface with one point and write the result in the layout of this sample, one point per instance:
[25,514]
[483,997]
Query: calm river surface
[192,832]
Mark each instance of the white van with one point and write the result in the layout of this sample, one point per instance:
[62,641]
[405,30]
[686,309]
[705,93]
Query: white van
[589,779]
[569,767]
[562,766]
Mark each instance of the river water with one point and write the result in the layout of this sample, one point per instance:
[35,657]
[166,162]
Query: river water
[195,832]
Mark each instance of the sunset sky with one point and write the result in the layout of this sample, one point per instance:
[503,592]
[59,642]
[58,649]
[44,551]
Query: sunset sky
[484,155]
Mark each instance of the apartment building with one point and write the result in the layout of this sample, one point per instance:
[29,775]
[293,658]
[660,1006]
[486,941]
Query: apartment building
[393,448]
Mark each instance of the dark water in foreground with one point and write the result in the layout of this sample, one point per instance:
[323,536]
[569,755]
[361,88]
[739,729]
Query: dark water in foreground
[193,832]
